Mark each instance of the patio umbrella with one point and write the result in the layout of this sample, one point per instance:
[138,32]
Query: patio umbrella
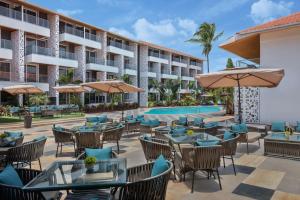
[113,86]
[241,77]
[69,89]
[22,89]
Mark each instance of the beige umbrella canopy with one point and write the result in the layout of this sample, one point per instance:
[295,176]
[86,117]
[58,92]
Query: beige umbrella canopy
[22,89]
[69,89]
[113,86]
[241,77]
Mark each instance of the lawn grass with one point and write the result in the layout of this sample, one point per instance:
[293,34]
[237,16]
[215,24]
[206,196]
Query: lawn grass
[14,119]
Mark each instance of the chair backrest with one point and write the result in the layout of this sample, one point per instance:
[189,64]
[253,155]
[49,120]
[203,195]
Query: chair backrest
[161,135]
[88,140]
[62,135]
[29,151]
[154,147]
[113,134]
[13,192]
[142,186]
[229,146]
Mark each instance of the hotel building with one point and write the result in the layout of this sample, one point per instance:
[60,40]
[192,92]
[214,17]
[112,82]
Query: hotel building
[38,46]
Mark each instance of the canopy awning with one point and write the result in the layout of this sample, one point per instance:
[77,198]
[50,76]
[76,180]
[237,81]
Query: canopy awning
[113,86]
[22,89]
[69,89]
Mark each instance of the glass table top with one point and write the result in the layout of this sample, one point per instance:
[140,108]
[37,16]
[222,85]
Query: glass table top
[283,137]
[64,175]
[168,128]
[187,139]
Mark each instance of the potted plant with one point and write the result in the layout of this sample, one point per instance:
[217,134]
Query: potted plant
[89,162]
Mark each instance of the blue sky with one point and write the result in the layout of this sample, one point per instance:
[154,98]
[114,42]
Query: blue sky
[172,22]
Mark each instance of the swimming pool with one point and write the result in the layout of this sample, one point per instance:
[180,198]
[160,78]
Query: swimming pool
[184,110]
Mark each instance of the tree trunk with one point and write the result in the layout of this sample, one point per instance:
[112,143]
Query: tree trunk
[207,60]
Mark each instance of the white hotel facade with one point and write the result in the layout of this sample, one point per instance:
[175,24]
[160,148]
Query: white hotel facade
[39,45]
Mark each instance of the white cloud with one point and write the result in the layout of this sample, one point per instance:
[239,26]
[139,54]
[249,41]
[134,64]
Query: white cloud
[266,10]
[189,26]
[69,12]
[122,32]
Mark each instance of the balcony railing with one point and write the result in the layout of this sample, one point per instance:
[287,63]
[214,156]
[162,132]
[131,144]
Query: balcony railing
[120,45]
[36,20]
[30,77]
[5,44]
[129,66]
[179,60]
[158,55]
[72,30]
[93,37]
[11,13]
[165,72]
[4,76]
[195,63]
[43,78]
[34,49]
[184,74]
[150,69]
[67,55]
[174,73]
[111,63]
[95,60]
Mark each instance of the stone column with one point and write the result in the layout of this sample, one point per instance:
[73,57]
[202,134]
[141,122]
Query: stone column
[80,72]
[119,61]
[157,68]
[134,96]
[103,52]
[144,75]
[53,70]
[18,62]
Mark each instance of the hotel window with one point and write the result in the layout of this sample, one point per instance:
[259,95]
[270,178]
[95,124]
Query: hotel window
[4,71]
[30,73]
[43,73]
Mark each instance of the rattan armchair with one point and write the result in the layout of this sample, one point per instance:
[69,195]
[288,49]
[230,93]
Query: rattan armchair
[87,140]
[132,126]
[176,122]
[9,192]
[113,135]
[249,137]
[149,129]
[62,137]
[142,186]
[26,153]
[202,158]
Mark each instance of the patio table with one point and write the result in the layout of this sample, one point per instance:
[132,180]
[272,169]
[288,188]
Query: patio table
[75,175]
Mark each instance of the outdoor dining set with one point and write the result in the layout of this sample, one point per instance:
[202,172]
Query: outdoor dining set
[171,151]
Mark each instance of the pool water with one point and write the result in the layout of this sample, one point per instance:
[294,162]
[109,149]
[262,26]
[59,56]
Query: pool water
[184,110]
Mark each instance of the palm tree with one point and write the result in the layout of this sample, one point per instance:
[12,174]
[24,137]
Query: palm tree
[205,36]
[126,79]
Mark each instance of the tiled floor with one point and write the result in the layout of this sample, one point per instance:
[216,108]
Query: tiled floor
[258,177]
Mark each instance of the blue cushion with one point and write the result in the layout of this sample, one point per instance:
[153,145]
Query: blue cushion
[278,126]
[198,121]
[154,122]
[207,143]
[13,133]
[146,122]
[182,121]
[92,119]
[128,117]
[160,166]
[9,176]
[298,127]
[140,118]
[100,154]
[210,124]
[39,138]
[239,128]
[228,135]
[131,121]
[102,119]
[59,128]
[8,142]
[146,137]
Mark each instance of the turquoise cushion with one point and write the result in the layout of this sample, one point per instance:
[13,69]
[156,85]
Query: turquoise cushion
[39,138]
[154,122]
[102,119]
[198,121]
[92,119]
[140,118]
[210,124]
[146,137]
[298,127]
[243,128]
[59,128]
[207,143]
[228,135]
[9,176]
[13,133]
[8,142]
[146,122]
[182,121]
[278,126]
[160,166]
[239,128]
[178,130]
[131,121]
[100,154]
[129,117]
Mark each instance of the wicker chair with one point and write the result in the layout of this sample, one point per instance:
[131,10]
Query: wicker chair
[19,141]
[8,192]
[154,147]
[161,135]
[87,140]
[229,149]
[177,121]
[62,137]
[26,153]
[202,158]
[113,135]
[149,129]
[142,186]
[132,126]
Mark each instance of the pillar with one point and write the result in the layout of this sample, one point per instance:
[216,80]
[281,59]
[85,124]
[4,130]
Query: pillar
[80,72]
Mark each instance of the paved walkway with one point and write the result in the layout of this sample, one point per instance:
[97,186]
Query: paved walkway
[258,177]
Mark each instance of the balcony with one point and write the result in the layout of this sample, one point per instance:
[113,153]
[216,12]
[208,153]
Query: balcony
[120,48]
[95,64]
[73,35]
[168,75]
[187,76]
[179,62]
[43,55]
[5,76]
[13,19]
[159,58]
[90,79]
[130,69]
[6,50]
[195,65]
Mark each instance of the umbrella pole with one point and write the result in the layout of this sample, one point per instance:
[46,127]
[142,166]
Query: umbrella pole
[239,106]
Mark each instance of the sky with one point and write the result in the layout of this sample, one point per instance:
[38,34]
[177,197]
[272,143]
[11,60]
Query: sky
[172,22]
